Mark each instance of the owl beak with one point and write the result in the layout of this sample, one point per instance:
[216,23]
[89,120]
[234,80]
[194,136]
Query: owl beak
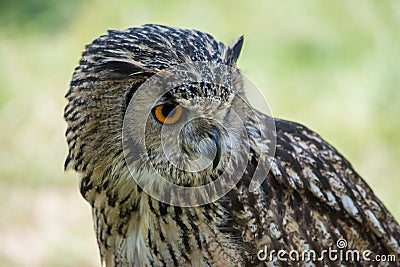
[215,136]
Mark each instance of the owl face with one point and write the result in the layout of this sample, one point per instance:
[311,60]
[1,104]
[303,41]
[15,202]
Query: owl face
[193,137]
[189,133]
[159,107]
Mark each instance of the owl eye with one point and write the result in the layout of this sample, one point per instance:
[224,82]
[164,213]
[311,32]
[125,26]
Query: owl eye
[168,113]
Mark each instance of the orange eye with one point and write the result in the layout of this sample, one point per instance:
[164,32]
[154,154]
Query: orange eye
[168,113]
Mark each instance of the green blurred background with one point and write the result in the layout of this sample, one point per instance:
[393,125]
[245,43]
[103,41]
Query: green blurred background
[331,65]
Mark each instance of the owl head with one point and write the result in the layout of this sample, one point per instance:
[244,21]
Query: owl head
[165,103]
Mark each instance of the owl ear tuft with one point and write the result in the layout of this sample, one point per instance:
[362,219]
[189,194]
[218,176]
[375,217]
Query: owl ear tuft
[233,51]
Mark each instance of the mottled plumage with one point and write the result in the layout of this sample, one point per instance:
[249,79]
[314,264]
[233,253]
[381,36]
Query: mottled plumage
[310,198]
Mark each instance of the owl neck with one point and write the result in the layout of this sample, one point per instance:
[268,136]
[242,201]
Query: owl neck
[135,229]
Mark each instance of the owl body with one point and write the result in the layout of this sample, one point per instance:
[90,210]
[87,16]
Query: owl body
[309,197]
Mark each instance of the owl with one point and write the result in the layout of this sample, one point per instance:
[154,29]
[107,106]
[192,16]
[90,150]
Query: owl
[181,170]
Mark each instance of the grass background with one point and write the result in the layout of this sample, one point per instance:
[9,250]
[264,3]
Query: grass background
[331,65]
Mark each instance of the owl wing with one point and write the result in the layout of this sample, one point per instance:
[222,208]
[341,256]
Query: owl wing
[312,197]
